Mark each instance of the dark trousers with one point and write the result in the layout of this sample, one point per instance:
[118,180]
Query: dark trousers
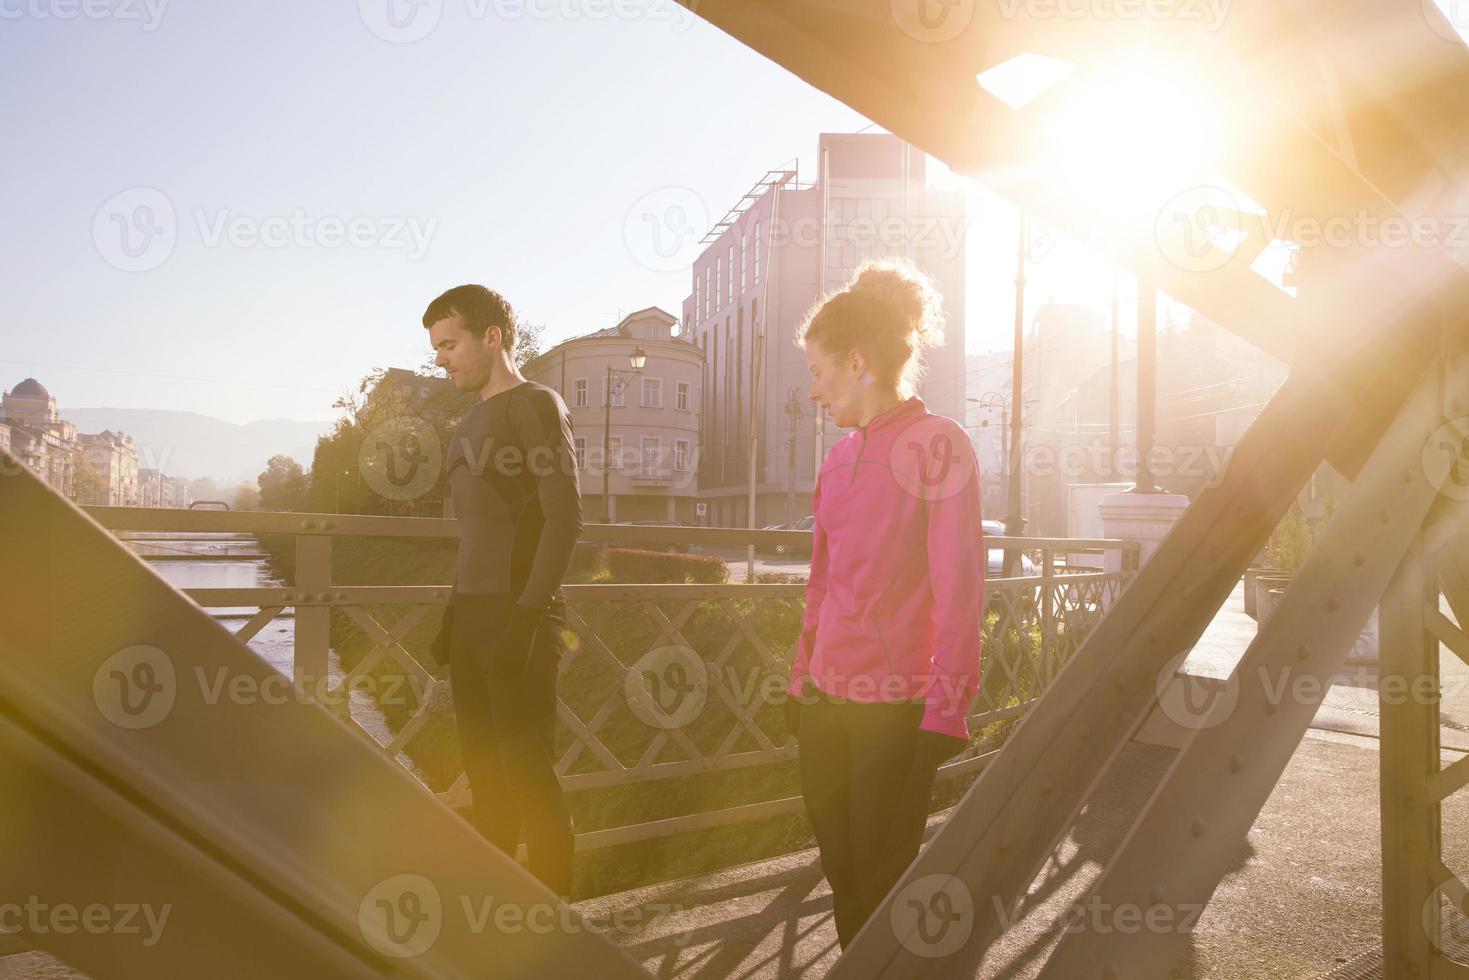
[867,792]
[507,735]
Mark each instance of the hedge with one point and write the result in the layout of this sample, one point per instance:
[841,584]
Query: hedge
[636,565]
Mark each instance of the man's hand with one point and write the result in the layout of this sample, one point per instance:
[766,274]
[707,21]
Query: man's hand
[511,652]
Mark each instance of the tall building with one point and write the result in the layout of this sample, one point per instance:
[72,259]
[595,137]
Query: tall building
[764,271]
[651,425]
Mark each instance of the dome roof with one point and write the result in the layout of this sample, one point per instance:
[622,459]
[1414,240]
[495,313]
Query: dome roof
[30,388]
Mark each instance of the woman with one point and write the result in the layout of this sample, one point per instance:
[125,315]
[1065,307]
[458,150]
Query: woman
[888,659]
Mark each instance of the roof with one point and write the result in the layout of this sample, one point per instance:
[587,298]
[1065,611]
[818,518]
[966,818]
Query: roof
[30,388]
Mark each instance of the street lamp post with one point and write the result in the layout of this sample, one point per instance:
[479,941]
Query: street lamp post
[617,382]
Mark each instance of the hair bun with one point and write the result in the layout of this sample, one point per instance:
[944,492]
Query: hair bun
[906,294]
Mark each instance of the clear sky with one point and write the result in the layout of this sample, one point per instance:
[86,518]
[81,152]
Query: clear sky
[240,209]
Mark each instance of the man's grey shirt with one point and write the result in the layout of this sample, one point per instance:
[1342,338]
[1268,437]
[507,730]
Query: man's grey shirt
[512,472]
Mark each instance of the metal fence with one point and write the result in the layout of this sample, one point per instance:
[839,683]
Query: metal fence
[698,666]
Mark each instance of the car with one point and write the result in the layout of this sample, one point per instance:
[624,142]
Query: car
[784,550]
[681,547]
[995,559]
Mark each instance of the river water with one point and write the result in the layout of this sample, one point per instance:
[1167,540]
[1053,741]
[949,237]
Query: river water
[214,569]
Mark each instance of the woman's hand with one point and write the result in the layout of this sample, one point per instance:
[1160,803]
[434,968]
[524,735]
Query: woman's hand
[934,748]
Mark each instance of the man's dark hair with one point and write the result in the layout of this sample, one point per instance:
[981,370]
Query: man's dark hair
[479,308]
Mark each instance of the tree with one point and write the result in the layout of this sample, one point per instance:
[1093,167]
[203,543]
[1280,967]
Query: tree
[282,485]
[246,496]
[204,488]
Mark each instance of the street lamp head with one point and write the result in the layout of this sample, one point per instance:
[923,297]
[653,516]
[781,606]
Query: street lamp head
[638,358]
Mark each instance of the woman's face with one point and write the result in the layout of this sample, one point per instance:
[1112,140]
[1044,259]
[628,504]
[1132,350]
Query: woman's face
[836,383]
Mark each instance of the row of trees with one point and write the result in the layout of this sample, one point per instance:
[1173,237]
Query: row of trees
[334,484]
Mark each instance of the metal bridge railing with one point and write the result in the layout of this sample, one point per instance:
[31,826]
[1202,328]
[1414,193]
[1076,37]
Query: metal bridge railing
[706,658]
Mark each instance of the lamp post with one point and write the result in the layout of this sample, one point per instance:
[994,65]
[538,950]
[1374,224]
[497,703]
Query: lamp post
[617,382]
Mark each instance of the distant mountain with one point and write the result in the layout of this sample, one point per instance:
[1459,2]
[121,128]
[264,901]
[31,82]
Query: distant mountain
[191,445]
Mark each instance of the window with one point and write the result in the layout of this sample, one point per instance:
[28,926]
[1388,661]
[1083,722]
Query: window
[579,393]
[731,272]
[617,399]
[757,251]
[744,263]
[652,392]
[614,452]
[652,449]
[682,394]
[706,292]
[718,283]
[681,455]
[580,448]
[696,296]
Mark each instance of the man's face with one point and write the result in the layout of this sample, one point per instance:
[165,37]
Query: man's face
[465,356]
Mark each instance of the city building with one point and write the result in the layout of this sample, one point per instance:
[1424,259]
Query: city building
[90,469]
[38,436]
[765,266]
[114,459]
[650,425]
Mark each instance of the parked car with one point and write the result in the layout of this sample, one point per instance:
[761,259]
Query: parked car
[789,550]
[681,548]
[995,559]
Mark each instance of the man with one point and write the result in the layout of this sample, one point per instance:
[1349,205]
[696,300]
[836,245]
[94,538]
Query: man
[512,474]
